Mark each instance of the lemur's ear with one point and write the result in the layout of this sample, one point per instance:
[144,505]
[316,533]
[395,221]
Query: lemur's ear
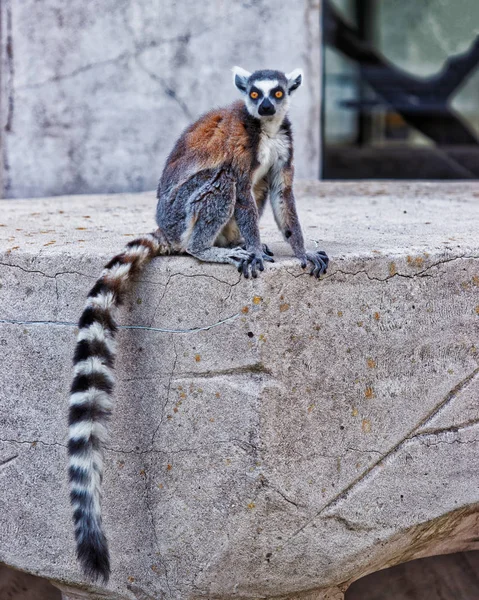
[240,78]
[295,78]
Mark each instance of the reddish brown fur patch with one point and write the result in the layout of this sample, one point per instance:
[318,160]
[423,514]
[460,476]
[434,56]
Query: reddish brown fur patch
[260,192]
[220,138]
[288,177]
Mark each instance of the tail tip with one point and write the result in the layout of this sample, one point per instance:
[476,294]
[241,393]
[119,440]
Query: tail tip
[94,558]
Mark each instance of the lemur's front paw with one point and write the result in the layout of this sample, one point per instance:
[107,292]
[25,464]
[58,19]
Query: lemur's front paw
[319,260]
[253,263]
[237,255]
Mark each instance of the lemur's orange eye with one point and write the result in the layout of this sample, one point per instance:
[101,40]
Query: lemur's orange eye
[254,95]
[279,94]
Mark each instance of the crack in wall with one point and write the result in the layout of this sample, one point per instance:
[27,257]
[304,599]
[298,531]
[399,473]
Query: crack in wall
[140,48]
[75,72]
[6,461]
[241,444]
[421,273]
[364,451]
[165,403]
[154,529]
[363,271]
[32,443]
[430,438]
[268,485]
[448,435]
[36,271]
[188,276]
[168,90]
[137,327]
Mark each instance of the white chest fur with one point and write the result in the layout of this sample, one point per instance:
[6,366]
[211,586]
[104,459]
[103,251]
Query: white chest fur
[272,150]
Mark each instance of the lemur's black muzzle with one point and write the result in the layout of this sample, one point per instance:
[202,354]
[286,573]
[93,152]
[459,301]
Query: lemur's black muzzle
[266,108]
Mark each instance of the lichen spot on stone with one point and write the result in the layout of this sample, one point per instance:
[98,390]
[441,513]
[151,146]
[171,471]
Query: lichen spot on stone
[197,357]
[369,393]
[251,505]
[377,316]
[257,300]
[371,363]
[283,307]
[366,425]
[417,262]
[392,269]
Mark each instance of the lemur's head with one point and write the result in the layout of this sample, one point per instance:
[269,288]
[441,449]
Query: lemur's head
[267,92]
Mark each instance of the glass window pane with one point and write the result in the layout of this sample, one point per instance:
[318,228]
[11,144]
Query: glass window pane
[401,97]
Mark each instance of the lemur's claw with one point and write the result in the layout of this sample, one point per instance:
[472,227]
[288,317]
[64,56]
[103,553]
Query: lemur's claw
[320,262]
[254,262]
[267,251]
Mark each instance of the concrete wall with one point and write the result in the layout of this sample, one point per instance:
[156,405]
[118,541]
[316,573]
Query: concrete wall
[94,94]
[271,438]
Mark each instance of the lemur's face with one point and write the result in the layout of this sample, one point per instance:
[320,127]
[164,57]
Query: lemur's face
[266,92]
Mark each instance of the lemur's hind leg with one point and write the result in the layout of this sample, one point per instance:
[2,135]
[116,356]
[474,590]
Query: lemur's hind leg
[209,210]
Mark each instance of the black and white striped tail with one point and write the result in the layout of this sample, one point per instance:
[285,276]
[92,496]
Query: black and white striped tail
[90,399]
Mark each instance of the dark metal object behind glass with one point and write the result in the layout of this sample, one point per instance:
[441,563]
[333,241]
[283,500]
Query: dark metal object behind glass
[401,89]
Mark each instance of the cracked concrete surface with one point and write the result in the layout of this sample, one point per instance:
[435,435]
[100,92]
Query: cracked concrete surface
[276,438]
[94,96]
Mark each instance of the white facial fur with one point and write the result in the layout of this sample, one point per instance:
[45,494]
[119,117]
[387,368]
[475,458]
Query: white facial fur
[274,121]
[271,123]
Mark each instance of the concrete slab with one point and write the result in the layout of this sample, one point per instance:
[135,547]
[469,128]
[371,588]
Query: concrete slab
[93,96]
[276,438]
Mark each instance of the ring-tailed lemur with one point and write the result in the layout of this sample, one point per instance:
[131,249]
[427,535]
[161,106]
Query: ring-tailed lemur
[210,197]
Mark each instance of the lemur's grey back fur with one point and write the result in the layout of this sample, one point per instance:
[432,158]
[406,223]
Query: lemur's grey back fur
[210,197]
